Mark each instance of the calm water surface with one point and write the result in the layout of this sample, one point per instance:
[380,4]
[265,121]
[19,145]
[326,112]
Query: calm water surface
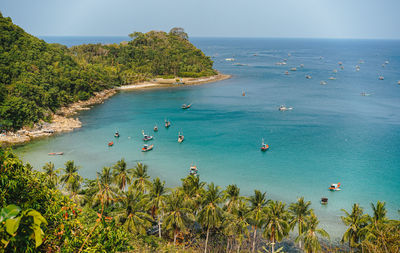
[333,134]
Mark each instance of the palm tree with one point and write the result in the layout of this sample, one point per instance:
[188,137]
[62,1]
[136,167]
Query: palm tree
[309,235]
[277,223]
[232,197]
[380,211]
[105,191]
[356,221]
[70,176]
[238,225]
[193,190]
[51,173]
[376,222]
[141,179]
[299,211]
[157,201]
[121,174]
[177,217]
[256,216]
[210,215]
[134,217]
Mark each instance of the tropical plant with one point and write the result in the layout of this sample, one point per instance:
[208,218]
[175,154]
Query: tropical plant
[232,197]
[140,178]
[256,216]
[51,173]
[237,226]
[299,211]
[157,201]
[276,225]
[106,193]
[310,234]
[193,190]
[121,175]
[356,221]
[71,175]
[210,215]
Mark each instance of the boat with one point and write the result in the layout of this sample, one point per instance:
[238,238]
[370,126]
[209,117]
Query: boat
[146,137]
[116,135]
[184,106]
[332,78]
[230,59]
[324,201]
[264,146]
[155,128]
[110,143]
[193,170]
[398,82]
[302,65]
[167,124]
[56,153]
[180,137]
[335,187]
[308,77]
[293,69]
[340,63]
[341,67]
[147,147]
[386,62]
[381,78]
[284,108]
[243,94]
[289,54]
[286,72]
[365,94]
[323,83]
[334,71]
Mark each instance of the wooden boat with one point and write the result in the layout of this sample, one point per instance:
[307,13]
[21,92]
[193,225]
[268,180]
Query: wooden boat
[293,69]
[264,147]
[147,148]
[167,124]
[56,153]
[332,78]
[110,143]
[381,78]
[184,106]
[323,83]
[324,201]
[146,137]
[193,170]
[286,72]
[116,135]
[180,138]
[243,94]
[155,129]
[308,76]
[335,187]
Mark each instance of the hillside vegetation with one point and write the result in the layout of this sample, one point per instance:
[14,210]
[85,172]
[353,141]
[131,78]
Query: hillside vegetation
[37,78]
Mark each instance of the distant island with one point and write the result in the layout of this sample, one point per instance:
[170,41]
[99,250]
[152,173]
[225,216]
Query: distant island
[40,81]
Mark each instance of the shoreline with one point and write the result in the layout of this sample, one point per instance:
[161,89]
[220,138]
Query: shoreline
[62,120]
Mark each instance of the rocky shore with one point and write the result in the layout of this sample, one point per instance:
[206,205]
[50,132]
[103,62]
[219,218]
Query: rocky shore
[62,120]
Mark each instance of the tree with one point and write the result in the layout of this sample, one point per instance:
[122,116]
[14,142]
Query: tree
[299,211]
[121,174]
[157,201]
[256,216]
[105,191]
[355,221]
[180,32]
[235,223]
[193,190]
[310,234]
[71,176]
[141,179]
[277,223]
[51,173]
[177,217]
[232,195]
[210,215]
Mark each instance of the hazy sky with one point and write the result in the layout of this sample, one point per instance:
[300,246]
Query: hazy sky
[211,18]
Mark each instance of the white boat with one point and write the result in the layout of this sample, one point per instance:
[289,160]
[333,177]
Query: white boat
[193,170]
[332,78]
[180,137]
[302,65]
[230,59]
[146,137]
[293,69]
[381,78]
[334,71]
[308,77]
[284,108]
[323,83]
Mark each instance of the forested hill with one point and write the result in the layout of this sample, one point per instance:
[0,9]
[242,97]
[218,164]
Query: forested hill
[37,78]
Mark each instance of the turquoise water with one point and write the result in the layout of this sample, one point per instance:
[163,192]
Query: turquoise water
[333,134]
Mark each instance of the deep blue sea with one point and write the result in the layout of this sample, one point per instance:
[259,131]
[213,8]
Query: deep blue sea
[333,134]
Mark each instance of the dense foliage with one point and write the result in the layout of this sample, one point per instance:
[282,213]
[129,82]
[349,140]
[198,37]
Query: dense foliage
[37,78]
[123,210]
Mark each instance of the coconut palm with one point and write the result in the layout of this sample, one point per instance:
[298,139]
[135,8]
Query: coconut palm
[105,193]
[193,190]
[210,215]
[157,201]
[379,215]
[256,216]
[51,173]
[356,221]
[277,223]
[121,174]
[70,172]
[134,217]
[310,234]
[376,222]
[177,216]
[239,225]
[232,197]
[299,211]
[140,177]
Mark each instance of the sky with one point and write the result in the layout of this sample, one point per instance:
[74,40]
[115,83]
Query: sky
[372,19]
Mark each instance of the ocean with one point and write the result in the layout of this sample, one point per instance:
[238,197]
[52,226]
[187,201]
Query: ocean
[333,133]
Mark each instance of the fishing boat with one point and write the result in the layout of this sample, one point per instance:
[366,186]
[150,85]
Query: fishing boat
[230,59]
[334,71]
[340,63]
[381,78]
[332,78]
[323,83]
[180,137]
[155,128]
[110,143]
[193,170]
[365,94]
[301,65]
[184,106]
[264,146]
[335,187]
[284,108]
[308,76]
[398,82]
[324,201]
[56,153]
[147,147]
[167,124]
[116,135]
[286,72]
[293,69]
[146,137]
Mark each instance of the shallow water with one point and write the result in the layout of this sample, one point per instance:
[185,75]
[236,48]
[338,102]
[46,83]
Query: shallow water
[333,134]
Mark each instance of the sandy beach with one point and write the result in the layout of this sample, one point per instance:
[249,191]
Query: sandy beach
[63,120]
